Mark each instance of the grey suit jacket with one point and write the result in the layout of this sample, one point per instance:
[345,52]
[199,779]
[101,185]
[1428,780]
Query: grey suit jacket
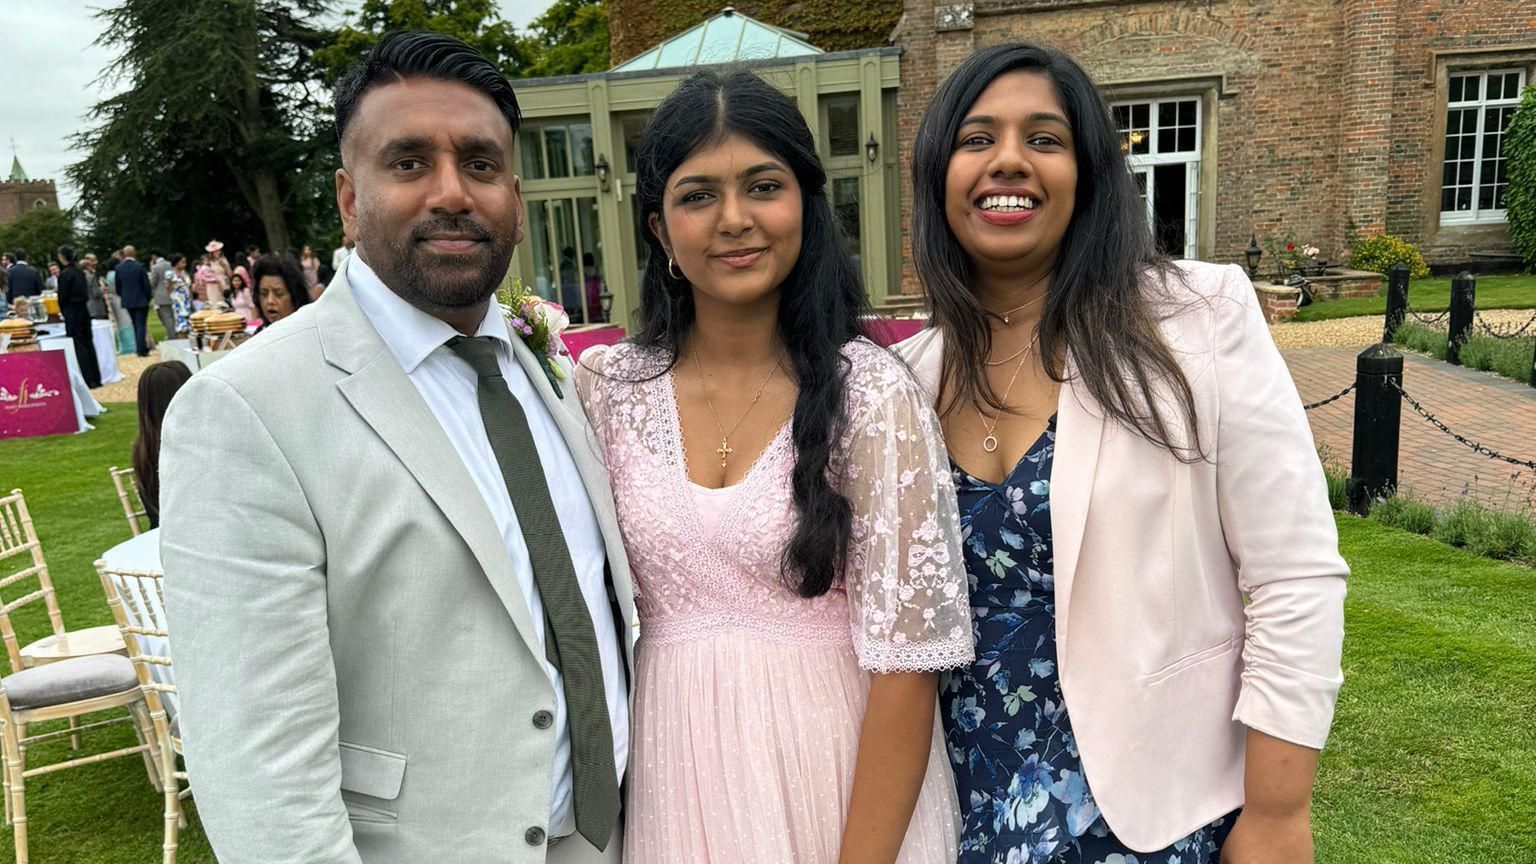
[357,667]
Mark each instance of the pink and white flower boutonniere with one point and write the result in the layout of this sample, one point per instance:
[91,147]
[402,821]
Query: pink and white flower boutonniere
[539,323]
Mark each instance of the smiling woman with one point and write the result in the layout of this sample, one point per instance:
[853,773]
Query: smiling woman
[1153,566]
[786,512]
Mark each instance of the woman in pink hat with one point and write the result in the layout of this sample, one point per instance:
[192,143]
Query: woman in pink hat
[220,267]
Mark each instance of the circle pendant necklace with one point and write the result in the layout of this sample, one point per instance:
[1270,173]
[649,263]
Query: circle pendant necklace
[989,443]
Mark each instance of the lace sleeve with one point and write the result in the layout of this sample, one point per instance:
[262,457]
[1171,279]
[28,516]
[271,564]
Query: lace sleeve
[908,594]
[588,377]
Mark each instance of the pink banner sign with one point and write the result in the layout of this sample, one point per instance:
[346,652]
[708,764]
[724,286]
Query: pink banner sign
[35,398]
[580,340]
[889,331]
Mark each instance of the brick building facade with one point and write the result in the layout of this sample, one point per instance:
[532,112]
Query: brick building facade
[19,196]
[1310,119]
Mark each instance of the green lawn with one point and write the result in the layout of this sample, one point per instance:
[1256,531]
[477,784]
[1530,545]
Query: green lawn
[1431,295]
[1433,755]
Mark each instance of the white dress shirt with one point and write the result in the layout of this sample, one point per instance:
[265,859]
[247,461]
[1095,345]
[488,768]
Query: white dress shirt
[448,384]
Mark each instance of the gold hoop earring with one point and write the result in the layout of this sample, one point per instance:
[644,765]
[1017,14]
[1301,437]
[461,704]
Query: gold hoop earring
[678,277]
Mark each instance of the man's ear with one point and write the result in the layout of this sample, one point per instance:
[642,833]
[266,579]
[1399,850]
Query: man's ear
[346,202]
[519,212]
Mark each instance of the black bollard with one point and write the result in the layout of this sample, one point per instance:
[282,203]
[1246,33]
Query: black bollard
[1463,304]
[1378,411]
[1397,299]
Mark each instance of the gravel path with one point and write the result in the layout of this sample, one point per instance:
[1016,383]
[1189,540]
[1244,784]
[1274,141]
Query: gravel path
[1366,329]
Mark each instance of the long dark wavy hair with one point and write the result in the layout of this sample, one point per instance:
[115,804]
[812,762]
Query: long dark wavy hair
[820,302]
[157,384]
[1099,305]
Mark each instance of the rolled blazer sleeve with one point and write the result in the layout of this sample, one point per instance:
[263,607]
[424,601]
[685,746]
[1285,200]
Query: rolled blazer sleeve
[1279,529]
[245,574]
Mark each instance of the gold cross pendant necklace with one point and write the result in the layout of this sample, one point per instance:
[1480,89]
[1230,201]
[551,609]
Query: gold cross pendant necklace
[724,450]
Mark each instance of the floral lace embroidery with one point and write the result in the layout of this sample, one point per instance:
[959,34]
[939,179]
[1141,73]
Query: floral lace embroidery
[903,605]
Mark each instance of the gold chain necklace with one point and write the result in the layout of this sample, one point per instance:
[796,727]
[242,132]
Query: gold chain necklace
[989,443]
[724,450]
[1007,316]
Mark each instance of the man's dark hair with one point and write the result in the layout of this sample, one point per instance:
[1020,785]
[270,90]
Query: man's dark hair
[406,54]
[67,252]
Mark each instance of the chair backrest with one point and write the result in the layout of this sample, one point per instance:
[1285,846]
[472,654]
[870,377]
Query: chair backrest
[137,600]
[18,540]
[128,494]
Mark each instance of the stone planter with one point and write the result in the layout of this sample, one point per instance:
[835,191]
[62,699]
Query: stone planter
[1277,302]
[1338,283]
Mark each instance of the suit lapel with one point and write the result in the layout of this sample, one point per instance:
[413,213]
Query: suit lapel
[380,392]
[1079,432]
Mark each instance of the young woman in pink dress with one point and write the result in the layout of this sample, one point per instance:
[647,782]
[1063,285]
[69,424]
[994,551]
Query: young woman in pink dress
[788,513]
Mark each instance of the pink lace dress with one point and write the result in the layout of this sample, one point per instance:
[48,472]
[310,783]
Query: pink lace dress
[748,698]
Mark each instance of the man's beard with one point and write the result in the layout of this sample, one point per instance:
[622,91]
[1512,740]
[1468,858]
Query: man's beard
[437,283]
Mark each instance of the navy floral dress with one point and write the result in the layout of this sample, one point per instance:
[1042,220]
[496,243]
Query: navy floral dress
[1020,780]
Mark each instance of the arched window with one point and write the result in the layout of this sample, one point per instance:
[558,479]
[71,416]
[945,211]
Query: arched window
[39,204]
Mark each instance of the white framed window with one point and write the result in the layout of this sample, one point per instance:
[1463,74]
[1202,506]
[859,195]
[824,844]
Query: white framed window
[1161,139]
[1474,176]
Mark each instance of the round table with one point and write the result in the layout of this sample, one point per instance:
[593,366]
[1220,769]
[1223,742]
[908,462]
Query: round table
[143,553]
[101,340]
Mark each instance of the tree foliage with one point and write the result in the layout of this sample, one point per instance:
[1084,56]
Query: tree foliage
[38,233]
[570,38]
[476,22]
[221,103]
[1520,197]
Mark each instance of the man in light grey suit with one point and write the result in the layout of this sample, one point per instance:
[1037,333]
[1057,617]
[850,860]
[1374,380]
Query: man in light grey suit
[399,606]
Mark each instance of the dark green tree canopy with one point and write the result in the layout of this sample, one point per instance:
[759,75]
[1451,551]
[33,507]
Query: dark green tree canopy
[39,233]
[475,22]
[570,38]
[234,80]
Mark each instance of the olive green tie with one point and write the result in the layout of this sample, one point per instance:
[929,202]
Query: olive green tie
[570,643]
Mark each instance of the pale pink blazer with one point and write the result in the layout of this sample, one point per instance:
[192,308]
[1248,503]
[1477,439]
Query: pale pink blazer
[1192,600]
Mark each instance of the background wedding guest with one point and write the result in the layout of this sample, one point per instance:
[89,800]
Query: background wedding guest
[341,252]
[25,281]
[158,383]
[53,277]
[311,265]
[207,288]
[96,300]
[179,286]
[280,287]
[136,295]
[122,323]
[74,308]
[241,297]
[159,265]
[5,276]
[221,268]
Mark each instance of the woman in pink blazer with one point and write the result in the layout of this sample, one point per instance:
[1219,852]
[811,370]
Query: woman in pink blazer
[1156,587]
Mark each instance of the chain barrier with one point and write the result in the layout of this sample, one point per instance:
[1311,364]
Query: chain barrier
[1475,446]
[1432,321]
[1330,400]
[1506,331]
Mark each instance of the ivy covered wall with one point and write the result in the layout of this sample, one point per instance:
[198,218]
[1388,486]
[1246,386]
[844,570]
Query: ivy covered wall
[833,25]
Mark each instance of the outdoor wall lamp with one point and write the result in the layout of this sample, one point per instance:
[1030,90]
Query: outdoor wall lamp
[602,172]
[872,148]
[1253,253]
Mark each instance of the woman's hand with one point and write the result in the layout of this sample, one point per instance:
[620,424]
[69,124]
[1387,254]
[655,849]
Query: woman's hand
[1269,839]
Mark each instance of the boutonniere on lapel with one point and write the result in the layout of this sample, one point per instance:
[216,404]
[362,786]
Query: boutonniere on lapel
[539,323]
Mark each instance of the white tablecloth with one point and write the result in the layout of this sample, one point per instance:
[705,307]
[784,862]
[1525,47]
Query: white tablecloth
[101,339]
[85,403]
[181,349]
[143,553]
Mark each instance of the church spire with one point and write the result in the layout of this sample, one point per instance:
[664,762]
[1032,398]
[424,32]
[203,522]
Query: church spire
[17,173]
